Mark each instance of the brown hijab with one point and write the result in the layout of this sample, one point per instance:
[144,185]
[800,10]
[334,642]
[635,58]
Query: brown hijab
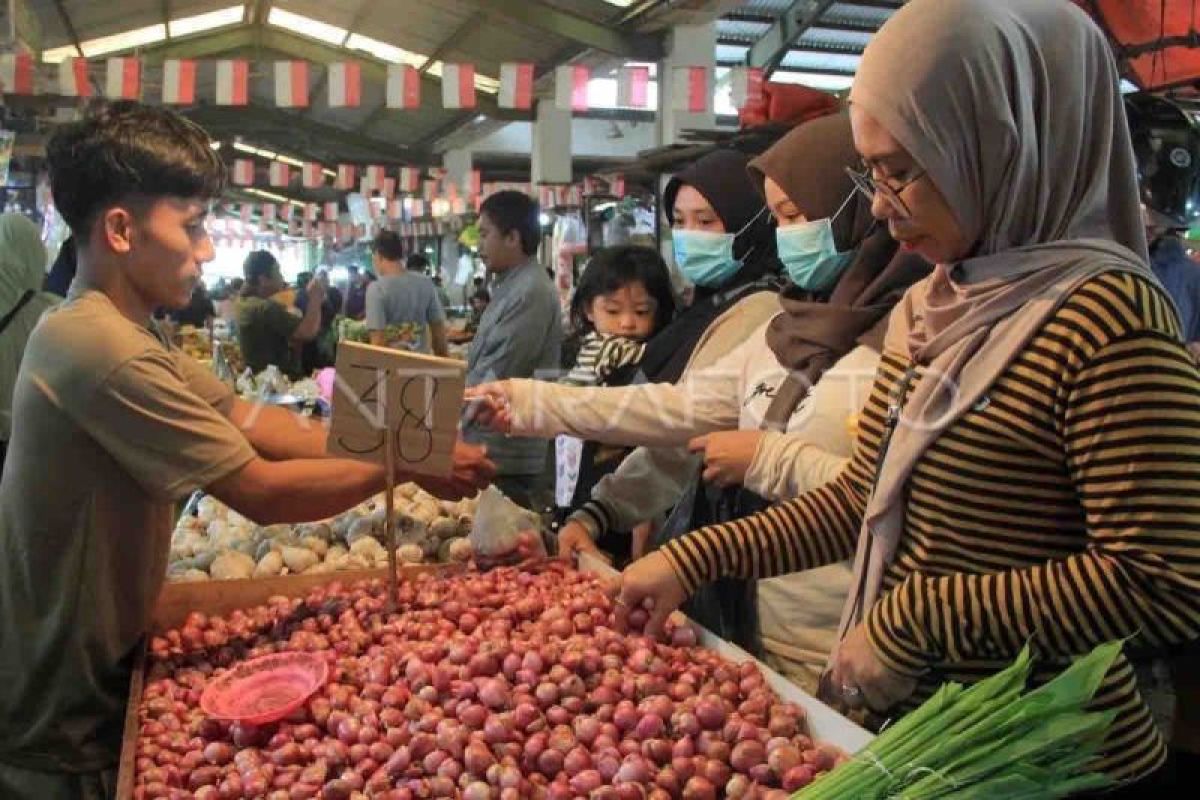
[1013,110]
[809,164]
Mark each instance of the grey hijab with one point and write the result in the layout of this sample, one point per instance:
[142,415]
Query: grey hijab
[1014,111]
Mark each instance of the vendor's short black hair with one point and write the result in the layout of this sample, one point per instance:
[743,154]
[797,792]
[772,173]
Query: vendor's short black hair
[126,150]
[417,262]
[259,265]
[389,245]
[512,210]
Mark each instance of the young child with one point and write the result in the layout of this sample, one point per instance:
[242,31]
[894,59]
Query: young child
[623,298]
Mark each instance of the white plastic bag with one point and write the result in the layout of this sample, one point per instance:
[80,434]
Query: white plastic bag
[499,523]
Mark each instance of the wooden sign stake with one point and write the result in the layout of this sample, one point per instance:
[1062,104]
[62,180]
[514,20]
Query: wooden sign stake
[389,513]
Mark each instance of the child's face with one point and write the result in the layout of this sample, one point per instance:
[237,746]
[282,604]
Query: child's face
[628,312]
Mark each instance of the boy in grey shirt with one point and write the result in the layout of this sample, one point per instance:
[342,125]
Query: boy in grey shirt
[402,304]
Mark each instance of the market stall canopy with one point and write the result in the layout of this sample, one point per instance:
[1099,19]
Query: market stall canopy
[1156,41]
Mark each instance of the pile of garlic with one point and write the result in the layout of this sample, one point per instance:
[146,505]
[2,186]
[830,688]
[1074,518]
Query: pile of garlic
[217,543]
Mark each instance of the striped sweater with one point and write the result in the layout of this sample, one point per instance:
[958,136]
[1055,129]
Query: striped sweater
[1064,509]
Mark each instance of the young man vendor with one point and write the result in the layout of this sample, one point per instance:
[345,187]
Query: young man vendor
[111,428]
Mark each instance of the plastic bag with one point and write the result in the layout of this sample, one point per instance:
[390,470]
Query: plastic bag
[499,523]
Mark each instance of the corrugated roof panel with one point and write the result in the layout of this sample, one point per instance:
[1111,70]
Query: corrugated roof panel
[806,59]
[741,29]
[731,52]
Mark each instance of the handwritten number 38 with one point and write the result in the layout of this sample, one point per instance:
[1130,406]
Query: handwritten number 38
[418,444]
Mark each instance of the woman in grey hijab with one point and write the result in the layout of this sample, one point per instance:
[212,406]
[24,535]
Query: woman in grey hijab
[1027,468]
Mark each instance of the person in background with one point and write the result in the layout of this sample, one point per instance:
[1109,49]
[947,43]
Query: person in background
[519,335]
[477,305]
[355,306]
[403,310]
[1166,142]
[1027,465]
[62,272]
[199,310]
[226,304]
[22,302]
[112,428]
[321,351]
[267,332]
[443,295]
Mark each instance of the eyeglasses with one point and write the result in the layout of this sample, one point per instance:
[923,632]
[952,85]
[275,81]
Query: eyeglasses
[891,194]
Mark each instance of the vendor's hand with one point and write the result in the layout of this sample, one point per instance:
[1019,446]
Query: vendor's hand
[651,578]
[860,678]
[471,473]
[727,455]
[573,538]
[488,406]
[315,291]
[1194,349]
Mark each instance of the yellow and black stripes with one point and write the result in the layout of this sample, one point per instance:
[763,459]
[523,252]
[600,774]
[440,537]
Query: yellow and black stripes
[1063,511]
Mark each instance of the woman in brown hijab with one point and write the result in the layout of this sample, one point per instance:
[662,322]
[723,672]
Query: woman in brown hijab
[1027,468]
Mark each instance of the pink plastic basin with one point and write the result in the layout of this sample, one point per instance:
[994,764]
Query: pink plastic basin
[264,689]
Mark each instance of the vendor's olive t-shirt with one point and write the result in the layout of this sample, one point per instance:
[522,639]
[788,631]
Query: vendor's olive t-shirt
[265,331]
[110,429]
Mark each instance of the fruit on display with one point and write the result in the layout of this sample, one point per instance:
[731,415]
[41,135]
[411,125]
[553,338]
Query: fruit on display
[217,543]
[506,684]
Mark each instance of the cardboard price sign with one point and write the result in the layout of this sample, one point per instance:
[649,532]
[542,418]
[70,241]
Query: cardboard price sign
[408,401]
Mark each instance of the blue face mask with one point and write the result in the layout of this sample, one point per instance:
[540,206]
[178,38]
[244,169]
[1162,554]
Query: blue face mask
[809,254]
[706,258]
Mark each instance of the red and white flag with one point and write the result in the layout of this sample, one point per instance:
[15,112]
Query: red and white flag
[16,73]
[410,180]
[431,191]
[458,86]
[331,212]
[633,87]
[689,89]
[374,178]
[243,173]
[179,82]
[310,212]
[279,174]
[346,177]
[395,208]
[73,78]
[233,82]
[312,175]
[418,207]
[403,87]
[123,79]
[245,212]
[291,84]
[746,86]
[570,87]
[364,185]
[546,196]
[345,84]
[285,211]
[473,184]
[389,188]
[268,213]
[617,185]
[306,229]
[516,86]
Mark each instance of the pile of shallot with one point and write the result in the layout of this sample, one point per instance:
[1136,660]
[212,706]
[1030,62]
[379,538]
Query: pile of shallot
[498,685]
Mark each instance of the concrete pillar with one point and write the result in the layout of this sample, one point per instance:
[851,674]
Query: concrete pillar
[551,158]
[457,164]
[687,46]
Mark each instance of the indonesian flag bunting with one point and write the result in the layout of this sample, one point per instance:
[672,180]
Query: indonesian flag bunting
[437,173]
[689,89]
[452,191]
[179,82]
[345,176]
[617,185]
[403,87]
[279,174]
[345,84]
[590,185]
[73,78]
[313,175]
[291,84]
[418,207]
[458,86]
[243,172]
[331,212]
[473,184]
[546,196]
[307,229]
[364,186]
[233,82]
[375,176]
[310,212]
[516,86]
[746,86]
[633,87]
[570,88]
[245,211]
[285,210]
[431,190]
[478,203]
[410,179]
[123,79]
[268,212]
[16,73]
[389,188]
[395,208]
[458,205]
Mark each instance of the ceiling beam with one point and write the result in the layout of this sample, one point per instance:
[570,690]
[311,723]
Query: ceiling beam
[201,45]
[68,26]
[576,28]
[165,8]
[801,15]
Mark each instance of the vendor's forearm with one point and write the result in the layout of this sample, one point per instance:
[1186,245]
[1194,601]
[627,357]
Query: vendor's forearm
[300,490]
[278,434]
